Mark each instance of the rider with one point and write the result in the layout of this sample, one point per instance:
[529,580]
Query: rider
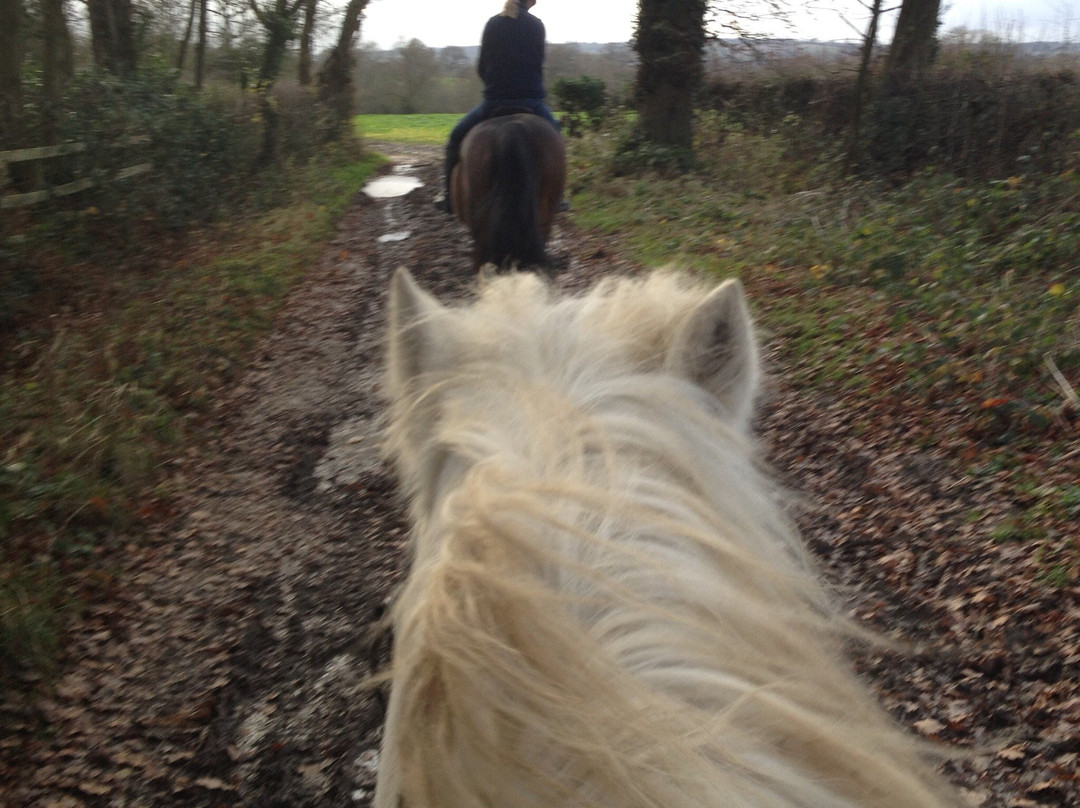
[512,67]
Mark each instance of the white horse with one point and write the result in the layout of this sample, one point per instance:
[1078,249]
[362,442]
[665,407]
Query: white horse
[606,604]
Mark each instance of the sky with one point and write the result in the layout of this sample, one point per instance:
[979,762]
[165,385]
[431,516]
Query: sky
[438,23]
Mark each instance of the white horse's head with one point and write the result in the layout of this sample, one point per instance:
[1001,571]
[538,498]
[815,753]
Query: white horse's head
[607,604]
[664,324]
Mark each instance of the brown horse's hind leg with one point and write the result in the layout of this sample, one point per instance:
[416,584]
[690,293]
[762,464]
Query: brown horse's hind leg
[457,193]
[507,189]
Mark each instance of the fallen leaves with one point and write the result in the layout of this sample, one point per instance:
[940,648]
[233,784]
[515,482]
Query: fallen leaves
[213,784]
[939,539]
[929,727]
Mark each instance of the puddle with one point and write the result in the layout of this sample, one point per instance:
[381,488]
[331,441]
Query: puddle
[398,183]
[391,185]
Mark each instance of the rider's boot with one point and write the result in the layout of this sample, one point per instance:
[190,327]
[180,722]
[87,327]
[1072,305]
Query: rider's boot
[442,201]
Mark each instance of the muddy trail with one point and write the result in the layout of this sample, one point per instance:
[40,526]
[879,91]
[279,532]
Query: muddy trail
[229,667]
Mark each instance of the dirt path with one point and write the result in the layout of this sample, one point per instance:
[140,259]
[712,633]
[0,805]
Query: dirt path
[228,668]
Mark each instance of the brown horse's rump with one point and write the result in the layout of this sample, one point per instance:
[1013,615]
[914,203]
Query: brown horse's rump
[507,187]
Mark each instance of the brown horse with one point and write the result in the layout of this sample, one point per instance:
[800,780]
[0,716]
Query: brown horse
[507,187]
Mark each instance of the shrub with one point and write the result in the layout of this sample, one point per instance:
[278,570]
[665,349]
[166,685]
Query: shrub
[978,125]
[197,147]
[963,118]
[583,102]
[194,155]
[202,147]
[635,155]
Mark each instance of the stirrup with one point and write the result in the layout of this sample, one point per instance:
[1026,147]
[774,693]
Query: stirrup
[442,204]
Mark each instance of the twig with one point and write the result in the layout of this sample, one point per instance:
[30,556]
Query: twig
[1066,389]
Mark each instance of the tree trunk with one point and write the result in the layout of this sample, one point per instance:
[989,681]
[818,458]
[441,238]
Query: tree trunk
[278,22]
[304,69]
[13,133]
[862,81]
[58,62]
[335,78]
[200,46]
[666,115]
[670,43]
[12,122]
[897,144]
[914,44]
[112,35]
[279,31]
[126,55]
[100,32]
[181,55]
[226,35]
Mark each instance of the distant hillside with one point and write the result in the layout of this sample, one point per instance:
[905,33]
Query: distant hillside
[737,49]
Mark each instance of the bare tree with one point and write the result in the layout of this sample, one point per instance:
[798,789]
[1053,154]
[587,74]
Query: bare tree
[112,35]
[185,39]
[225,11]
[670,43]
[279,21]
[335,78]
[58,60]
[13,129]
[455,61]
[417,67]
[862,82]
[200,46]
[307,29]
[12,121]
[198,8]
[914,44]
[564,61]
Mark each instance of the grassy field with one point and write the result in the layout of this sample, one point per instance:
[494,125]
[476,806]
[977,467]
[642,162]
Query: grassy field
[426,129]
[95,404]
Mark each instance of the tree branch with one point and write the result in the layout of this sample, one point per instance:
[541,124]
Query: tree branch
[259,13]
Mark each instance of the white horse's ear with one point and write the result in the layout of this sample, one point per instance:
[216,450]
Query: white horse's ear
[715,347]
[413,345]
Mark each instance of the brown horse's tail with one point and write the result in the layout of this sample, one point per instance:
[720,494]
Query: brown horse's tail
[513,223]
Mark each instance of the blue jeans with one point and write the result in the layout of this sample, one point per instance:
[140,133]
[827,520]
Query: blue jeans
[484,110]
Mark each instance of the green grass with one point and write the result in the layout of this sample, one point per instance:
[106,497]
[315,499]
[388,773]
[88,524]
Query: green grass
[978,280]
[942,296]
[431,129]
[92,413]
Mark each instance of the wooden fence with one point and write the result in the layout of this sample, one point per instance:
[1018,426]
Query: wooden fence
[45,192]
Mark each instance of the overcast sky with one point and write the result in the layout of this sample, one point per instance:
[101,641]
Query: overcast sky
[438,23]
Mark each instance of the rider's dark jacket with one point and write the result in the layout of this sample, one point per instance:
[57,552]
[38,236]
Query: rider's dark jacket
[512,58]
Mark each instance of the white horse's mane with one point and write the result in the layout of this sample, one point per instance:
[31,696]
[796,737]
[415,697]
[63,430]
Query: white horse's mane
[607,604]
